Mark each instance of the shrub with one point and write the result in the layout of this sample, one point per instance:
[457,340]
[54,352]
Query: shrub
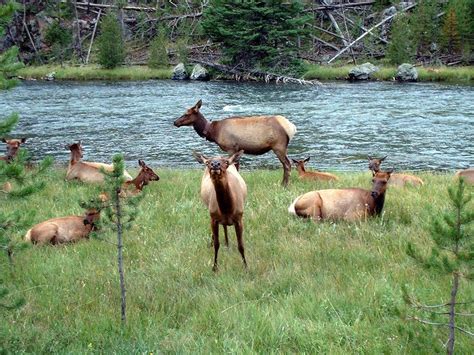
[110,43]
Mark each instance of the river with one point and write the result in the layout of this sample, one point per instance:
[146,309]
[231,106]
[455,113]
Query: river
[420,126]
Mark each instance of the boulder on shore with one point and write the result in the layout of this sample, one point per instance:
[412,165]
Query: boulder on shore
[406,72]
[199,73]
[362,72]
[180,73]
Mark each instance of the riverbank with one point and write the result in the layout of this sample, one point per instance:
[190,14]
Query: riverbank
[322,73]
[315,288]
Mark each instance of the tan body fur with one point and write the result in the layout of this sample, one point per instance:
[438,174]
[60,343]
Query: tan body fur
[312,175]
[467,174]
[223,191]
[62,229]
[398,180]
[342,204]
[87,171]
[253,134]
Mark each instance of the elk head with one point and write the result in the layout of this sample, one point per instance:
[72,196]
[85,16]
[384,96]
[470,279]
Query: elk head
[146,174]
[379,183]
[300,163]
[374,163]
[76,150]
[13,145]
[217,166]
[190,116]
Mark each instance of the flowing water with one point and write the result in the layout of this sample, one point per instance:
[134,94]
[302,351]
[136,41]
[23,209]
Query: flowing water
[419,126]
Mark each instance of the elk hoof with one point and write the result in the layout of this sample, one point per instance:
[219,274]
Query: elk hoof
[215,268]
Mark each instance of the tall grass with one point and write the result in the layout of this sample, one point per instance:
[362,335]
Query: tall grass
[95,73]
[315,288]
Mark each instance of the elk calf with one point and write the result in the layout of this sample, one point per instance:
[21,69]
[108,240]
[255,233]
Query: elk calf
[63,229]
[86,171]
[346,204]
[223,191]
[399,180]
[311,175]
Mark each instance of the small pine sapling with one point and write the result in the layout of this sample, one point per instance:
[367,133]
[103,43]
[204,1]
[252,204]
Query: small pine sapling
[120,214]
[452,254]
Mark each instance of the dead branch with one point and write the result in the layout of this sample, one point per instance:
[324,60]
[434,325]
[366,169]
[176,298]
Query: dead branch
[93,35]
[424,321]
[338,6]
[370,30]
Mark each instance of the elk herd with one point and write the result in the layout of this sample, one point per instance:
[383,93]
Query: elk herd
[223,190]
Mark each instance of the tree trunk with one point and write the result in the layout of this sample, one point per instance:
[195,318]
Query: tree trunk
[118,208]
[454,290]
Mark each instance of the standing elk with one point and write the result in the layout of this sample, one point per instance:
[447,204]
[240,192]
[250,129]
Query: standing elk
[254,135]
[399,180]
[346,204]
[87,171]
[63,229]
[467,174]
[223,191]
[311,175]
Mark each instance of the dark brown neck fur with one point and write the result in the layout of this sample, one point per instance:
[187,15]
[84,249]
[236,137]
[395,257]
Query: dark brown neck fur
[204,128]
[223,195]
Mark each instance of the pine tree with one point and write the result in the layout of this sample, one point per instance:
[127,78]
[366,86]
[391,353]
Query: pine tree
[110,43]
[258,33]
[452,254]
[158,56]
[401,48]
[119,215]
[426,27]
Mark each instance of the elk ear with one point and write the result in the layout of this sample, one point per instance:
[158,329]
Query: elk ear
[4,140]
[294,161]
[369,157]
[198,105]
[382,159]
[23,140]
[307,159]
[141,163]
[199,157]
[234,158]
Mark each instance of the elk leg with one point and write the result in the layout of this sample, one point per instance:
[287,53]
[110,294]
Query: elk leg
[226,238]
[239,228]
[215,236]
[286,165]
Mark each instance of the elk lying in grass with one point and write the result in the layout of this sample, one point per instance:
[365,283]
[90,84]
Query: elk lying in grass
[135,186]
[63,229]
[13,145]
[254,135]
[467,174]
[346,204]
[86,171]
[311,175]
[223,191]
[399,180]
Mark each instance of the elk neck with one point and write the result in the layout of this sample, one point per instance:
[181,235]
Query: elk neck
[224,196]
[204,128]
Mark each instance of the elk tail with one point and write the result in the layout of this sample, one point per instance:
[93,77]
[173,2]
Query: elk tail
[28,236]
[291,209]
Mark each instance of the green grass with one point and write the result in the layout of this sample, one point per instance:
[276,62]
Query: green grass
[92,72]
[387,73]
[314,288]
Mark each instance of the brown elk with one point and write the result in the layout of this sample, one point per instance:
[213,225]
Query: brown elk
[135,186]
[64,229]
[311,175]
[467,174]
[86,171]
[346,204]
[223,191]
[399,180]
[254,135]
[13,145]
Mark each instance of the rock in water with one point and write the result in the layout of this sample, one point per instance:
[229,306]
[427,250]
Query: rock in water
[406,72]
[180,73]
[199,73]
[362,72]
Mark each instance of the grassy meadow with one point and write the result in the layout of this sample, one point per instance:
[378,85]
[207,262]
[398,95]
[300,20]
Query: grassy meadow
[314,288]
